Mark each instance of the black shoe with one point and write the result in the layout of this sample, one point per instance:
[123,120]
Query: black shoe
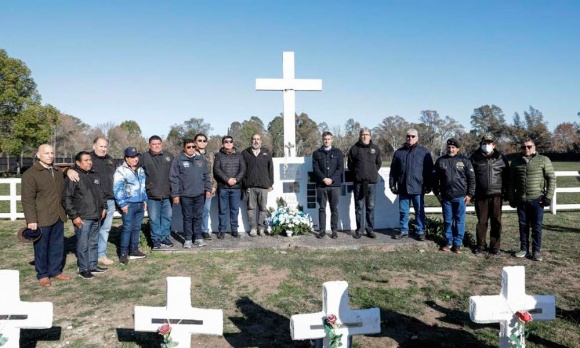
[477,251]
[371,234]
[137,255]
[167,242]
[399,235]
[421,237]
[156,244]
[220,235]
[235,234]
[206,236]
[99,270]
[321,235]
[536,256]
[86,275]
[356,235]
[493,251]
[334,235]
[123,259]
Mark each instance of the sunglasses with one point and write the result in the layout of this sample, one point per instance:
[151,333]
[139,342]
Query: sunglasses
[410,136]
[529,147]
[190,147]
[201,141]
[228,141]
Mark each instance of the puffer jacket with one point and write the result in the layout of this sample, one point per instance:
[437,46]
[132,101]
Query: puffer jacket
[189,176]
[411,170]
[530,180]
[364,161]
[454,177]
[229,165]
[491,173]
[129,185]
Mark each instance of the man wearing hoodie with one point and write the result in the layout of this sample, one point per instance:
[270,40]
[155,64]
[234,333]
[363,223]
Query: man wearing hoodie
[364,162]
[229,169]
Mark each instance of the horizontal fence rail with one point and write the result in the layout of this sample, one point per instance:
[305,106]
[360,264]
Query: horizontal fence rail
[14,198]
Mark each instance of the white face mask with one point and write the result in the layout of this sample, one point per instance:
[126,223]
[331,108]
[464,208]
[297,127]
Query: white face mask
[487,148]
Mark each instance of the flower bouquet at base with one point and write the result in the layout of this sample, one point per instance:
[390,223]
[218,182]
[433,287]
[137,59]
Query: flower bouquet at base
[165,331]
[288,221]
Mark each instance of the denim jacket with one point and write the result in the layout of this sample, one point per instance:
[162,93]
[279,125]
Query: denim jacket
[129,185]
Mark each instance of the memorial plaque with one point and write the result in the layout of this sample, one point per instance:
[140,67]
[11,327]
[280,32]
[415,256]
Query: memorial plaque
[291,187]
[290,171]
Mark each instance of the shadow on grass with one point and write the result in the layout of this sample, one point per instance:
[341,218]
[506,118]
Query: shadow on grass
[555,228]
[260,327]
[142,339]
[29,337]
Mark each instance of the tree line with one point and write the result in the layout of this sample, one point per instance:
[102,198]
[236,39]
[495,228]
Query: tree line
[26,123]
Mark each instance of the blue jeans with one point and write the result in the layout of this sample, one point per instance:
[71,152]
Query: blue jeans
[106,224]
[331,195]
[87,244]
[531,214]
[49,251]
[131,227]
[454,220]
[228,202]
[159,211]
[205,216]
[404,208]
[367,202]
[192,209]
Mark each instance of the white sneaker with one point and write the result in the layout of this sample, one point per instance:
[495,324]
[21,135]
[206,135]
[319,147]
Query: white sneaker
[253,232]
[103,260]
[261,232]
[187,244]
[200,242]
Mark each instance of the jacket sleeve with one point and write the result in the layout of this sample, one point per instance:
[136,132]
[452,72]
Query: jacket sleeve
[68,194]
[550,178]
[119,188]
[316,168]
[378,159]
[28,194]
[351,159]
[428,171]
[219,175]
[242,171]
[470,176]
[435,176]
[206,177]
[505,176]
[174,178]
[394,172]
[336,175]
[510,182]
[270,170]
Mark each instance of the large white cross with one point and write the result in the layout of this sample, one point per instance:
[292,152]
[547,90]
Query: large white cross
[15,314]
[502,308]
[349,322]
[288,84]
[184,319]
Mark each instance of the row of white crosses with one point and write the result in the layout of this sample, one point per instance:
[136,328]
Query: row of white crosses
[186,320]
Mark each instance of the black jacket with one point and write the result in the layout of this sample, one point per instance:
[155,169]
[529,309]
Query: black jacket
[411,170]
[84,198]
[105,168]
[491,173]
[157,168]
[228,165]
[364,161]
[259,169]
[454,177]
[328,164]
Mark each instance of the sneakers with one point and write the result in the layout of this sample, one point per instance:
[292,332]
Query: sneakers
[356,235]
[371,234]
[235,234]
[188,244]
[446,248]
[261,232]
[536,256]
[103,260]
[334,235]
[399,235]
[206,236]
[200,242]
[167,242]
[220,235]
[136,255]
[86,275]
[99,270]
[156,244]
[521,253]
[421,237]
[253,232]
[321,235]
[493,251]
[124,259]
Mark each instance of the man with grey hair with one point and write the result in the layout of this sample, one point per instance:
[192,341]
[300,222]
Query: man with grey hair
[364,162]
[410,178]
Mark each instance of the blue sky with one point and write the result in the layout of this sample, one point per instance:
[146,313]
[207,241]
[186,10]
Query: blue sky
[163,62]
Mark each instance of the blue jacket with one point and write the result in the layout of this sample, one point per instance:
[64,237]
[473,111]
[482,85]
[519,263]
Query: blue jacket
[328,164]
[411,170]
[189,176]
[129,185]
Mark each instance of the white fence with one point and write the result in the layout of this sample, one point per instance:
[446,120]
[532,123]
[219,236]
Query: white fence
[14,198]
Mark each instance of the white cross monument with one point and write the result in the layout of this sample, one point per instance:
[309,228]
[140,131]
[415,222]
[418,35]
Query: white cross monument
[16,314]
[349,322]
[502,308]
[288,84]
[184,319]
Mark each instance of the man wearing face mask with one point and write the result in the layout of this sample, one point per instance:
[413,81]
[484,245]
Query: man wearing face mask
[454,186]
[491,175]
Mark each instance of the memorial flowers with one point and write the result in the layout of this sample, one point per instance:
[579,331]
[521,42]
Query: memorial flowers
[165,331]
[288,220]
[334,340]
[518,334]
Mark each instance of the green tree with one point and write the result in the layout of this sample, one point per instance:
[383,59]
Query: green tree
[307,135]
[33,127]
[488,119]
[70,136]
[389,135]
[276,135]
[131,128]
[187,129]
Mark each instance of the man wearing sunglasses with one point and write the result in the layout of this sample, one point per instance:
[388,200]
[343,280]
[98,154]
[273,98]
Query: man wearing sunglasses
[530,188]
[201,145]
[410,178]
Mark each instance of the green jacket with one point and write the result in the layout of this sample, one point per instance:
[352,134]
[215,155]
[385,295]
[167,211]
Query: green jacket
[532,179]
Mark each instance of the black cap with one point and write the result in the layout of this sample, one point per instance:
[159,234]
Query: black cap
[454,142]
[131,152]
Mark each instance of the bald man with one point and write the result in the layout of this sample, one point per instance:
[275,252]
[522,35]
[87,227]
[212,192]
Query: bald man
[42,187]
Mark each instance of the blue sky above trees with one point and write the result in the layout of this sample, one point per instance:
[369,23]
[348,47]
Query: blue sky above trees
[161,63]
